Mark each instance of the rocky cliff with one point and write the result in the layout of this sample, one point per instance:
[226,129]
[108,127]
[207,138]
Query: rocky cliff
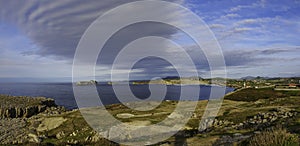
[19,107]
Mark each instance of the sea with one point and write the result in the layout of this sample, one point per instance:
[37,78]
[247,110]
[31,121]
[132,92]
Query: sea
[63,94]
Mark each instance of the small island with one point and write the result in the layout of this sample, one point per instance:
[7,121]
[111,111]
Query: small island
[86,83]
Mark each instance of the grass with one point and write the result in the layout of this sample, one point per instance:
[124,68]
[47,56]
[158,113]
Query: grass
[231,110]
[238,108]
[248,102]
[154,116]
[238,117]
[251,94]
[276,136]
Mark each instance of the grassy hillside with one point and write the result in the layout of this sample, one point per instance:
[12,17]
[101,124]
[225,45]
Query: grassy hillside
[243,118]
[251,94]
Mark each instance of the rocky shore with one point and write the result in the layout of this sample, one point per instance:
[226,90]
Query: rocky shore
[15,112]
[22,106]
[32,121]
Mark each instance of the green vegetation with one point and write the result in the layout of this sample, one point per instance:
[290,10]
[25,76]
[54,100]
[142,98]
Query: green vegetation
[276,136]
[233,110]
[74,129]
[251,94]
[247,117]
[154,116]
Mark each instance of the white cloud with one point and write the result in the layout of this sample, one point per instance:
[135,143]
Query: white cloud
[213,26]
[230,15]
[56,26]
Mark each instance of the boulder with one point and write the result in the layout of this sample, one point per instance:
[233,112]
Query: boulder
[34,138]
[60,135]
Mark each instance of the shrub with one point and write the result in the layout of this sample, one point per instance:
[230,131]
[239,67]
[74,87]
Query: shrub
[276,136]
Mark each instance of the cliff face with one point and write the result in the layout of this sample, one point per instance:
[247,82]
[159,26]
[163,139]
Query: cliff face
[21,107]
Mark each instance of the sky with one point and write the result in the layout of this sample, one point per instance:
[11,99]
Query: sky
[38,39]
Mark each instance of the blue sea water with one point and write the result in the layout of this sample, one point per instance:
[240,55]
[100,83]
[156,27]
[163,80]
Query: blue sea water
[63,94]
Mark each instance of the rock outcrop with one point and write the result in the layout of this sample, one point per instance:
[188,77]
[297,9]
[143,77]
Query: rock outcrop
[265,119]
[258,121]
[21,107]
[85,83]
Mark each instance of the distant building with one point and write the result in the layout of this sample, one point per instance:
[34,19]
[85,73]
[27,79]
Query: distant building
[288,86]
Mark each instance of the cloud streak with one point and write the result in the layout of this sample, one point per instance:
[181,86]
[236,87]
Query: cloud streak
[250,33]
[56,26]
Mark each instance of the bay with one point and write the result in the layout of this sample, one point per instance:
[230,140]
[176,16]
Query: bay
[63,94]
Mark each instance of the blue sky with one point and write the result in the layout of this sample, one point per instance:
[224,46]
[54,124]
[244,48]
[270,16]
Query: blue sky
[258,38]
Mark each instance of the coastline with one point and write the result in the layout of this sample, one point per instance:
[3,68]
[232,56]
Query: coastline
[56,126]
[63,92]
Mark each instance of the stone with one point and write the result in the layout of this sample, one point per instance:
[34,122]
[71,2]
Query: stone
[194,116]
[72,141]
[88,139]
[73,134]
[223,122]
[265,116]
[34,138]
[96,138]
[60,135]
[237,134]
[252,122]
[205,124]
[50,123]
[264,121]
[273,119]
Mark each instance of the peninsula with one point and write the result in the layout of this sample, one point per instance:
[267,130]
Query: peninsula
[249,116]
